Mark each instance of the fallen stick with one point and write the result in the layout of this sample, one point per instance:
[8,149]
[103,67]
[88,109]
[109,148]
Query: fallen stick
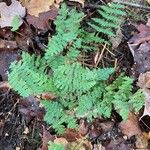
[132,5]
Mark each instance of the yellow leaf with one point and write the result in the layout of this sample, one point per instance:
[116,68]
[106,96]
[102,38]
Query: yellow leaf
[34,7]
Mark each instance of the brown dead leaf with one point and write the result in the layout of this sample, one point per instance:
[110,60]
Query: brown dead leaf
[139,46]
[71,135]
[8,45]
[61,141]
[34,7]
[42,21]
[79,1]
[83,128]
[8,13]
[45,139]
[130,126]
[6,57]
[141,142]
[144,83]
[118,144]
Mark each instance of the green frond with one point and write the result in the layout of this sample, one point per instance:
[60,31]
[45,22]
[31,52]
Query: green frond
[137,100]
[28,76]
[74,78]
[101,29]
[56,116]
[110,9]
[109,20]
[67,28]
[54,146]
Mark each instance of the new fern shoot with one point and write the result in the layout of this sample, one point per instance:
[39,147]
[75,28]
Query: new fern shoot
[81,91]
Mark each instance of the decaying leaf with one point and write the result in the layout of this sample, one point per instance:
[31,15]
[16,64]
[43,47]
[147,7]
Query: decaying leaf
[46,137]
[42,22]
[144,83]
[79,1]
[8,45]
[61,141]
[130,126]
[141,142]
[34,7]
[8,13]
[139,46]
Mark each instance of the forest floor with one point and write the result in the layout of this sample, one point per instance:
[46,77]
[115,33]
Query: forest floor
[21,120]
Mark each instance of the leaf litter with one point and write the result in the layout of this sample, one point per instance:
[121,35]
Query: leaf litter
[8,13]
[104,134]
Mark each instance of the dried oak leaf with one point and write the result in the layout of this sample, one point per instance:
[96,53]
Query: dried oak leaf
[34,7]
[42,21]
[130,126]
[8,13]
[139,46]
[144,84]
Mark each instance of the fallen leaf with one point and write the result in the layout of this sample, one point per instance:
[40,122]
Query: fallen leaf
[8,13]
[141,142]
[34,7]
[6,57]
[118,144]
[79,1]
[107,126]
[61,141]
[83,129]
[29,108]
[8,45]
[46,137]
[148,1]
[80,144]
[42,21]
[71,135]
[130,126]
[144,84]
[139,46]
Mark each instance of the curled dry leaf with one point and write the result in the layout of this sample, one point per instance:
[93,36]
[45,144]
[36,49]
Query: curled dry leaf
[144,83]
[8,13]
[79,1]
[34,7]
[130,126]
[42,22]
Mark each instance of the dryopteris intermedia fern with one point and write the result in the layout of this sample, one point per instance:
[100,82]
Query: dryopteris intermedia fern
[110,20]
[29,76]
[81,91]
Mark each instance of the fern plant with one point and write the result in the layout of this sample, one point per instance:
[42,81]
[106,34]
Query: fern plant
[81,91]
[111,19]
[53,146]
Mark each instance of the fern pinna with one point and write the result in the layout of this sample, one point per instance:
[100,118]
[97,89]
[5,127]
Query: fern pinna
[111,19]
[81,91]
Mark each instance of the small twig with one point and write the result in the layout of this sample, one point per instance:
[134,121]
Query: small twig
[100,56]
[132,5]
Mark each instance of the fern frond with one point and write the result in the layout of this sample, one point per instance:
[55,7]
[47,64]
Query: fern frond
[137,100]
[111,19]
[74,78]
[54,146]
[67,27]
[28,76]
[56,116]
